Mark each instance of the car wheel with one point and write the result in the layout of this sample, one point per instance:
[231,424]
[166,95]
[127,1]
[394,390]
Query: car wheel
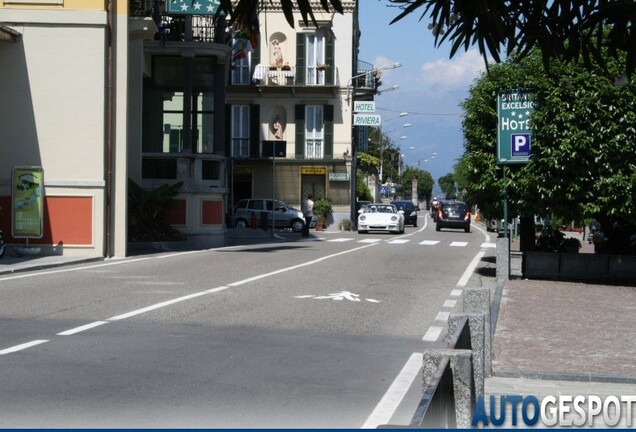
[297,225]
[241,223]
[437,227]
[415,224]
[362,232]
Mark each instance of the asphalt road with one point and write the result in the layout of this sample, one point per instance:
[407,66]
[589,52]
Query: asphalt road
[316,333]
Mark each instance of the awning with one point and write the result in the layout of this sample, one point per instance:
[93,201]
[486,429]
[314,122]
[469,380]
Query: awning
[7,34]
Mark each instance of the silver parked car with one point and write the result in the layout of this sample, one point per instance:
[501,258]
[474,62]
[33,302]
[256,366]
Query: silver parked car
[249,211]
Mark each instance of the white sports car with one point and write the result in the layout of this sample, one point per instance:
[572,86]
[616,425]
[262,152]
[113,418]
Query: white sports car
[380,217]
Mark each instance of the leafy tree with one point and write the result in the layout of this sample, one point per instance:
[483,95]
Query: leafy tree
[582,153]
[593,31]
[425,182]
[247,8]
[447,185]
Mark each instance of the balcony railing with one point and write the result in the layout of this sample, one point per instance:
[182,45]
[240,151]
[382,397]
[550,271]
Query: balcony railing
[263,75]
[173,28]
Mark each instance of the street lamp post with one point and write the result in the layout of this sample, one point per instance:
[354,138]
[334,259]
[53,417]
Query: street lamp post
[354,144]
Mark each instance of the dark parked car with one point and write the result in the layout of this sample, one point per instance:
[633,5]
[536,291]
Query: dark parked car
[410,211]
[453,214]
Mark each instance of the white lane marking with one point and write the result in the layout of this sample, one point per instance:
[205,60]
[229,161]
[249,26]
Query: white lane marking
[305,264]
[82,328]
[442,316]
[432,334]
[22,346]
[391,400]
[458,244]
[399,241]
[450,303]
[159,305]
[456,292]
[369,241]
[488,245]
[340,240]
[470,269]
[429,242]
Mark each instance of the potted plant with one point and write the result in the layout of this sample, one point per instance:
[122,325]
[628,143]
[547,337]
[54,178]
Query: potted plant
[571,245]
[322,210]
[285,67]
[322,66]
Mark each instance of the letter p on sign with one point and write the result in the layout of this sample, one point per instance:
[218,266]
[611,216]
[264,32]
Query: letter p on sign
[520,144]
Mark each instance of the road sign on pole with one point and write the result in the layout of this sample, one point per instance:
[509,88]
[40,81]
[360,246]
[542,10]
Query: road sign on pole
[514,133]
[367,120]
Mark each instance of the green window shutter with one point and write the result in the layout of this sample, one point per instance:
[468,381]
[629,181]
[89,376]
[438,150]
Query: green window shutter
[300,59]
[255,126]
[228,130]
[328,130]
[329,60]
[300,131]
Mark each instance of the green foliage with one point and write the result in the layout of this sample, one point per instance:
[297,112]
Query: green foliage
[447,185]
[425,182]
[583,31]
[323,209]
[582,152]
[147,212]
[362,189]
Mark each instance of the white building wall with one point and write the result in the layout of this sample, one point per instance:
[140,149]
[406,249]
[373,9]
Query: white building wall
[52,83]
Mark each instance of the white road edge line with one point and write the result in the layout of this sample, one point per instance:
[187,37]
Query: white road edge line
[22,346]
[391,400]
[82,328]
[432,334]
[470,269]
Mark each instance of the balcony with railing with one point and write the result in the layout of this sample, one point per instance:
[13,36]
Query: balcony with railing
[272,76]
[175,28]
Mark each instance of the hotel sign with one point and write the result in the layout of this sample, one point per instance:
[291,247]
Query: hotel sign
[192,7]
[313,170]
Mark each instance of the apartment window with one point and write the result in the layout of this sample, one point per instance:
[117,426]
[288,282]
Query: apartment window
[241,70]
[240,132]
[315,55]
[165,103]
[314,136]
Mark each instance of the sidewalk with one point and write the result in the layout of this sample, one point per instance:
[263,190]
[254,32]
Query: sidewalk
[564,338]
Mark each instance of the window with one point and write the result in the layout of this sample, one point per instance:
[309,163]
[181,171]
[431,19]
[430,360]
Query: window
[315,55]
[314,132]
[241,70]
[165,102]
[240,133]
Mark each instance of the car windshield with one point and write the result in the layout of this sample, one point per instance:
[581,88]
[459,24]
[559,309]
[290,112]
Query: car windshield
[379,209]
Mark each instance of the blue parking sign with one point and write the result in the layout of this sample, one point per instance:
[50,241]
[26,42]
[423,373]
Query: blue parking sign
[520,144]
[514,111]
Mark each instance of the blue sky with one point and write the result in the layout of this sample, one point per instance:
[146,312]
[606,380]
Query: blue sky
[431,86]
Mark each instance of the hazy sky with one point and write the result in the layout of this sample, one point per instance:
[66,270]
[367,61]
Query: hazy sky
[431,85]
